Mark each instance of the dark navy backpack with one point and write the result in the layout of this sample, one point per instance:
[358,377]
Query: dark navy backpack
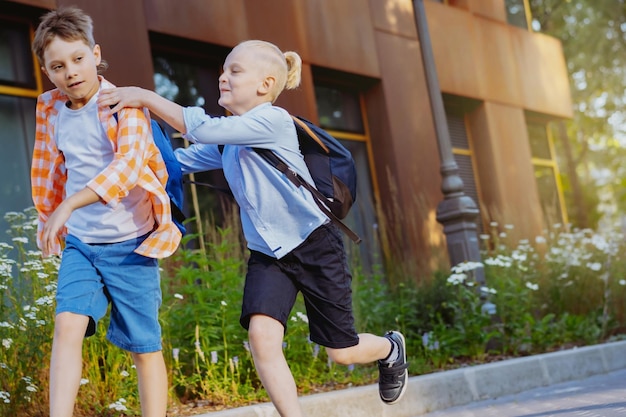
[331,166]
[174,185]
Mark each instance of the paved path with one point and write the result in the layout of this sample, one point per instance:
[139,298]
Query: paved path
[597,396]
[588,381]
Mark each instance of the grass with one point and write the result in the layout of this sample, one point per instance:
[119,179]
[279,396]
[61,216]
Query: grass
[566,288]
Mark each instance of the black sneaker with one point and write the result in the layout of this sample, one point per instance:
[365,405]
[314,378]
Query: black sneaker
[393,376]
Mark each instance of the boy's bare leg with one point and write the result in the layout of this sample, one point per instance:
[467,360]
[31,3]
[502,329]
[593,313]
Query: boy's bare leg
[369,349]
[152,378]
[66,362]
[266,345]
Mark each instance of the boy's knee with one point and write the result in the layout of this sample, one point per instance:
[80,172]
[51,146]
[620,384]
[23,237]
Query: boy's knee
[340,356]
[68,324]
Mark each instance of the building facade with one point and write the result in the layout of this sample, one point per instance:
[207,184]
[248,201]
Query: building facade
[363,80]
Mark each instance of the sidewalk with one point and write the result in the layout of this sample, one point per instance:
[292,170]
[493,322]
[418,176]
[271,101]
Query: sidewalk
[595,396]
[443,390]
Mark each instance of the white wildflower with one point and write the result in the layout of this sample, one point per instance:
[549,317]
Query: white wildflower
[302,317]
[456,279]
[594,266]
[119,405]
[466,267]
[488,290]
[5,397]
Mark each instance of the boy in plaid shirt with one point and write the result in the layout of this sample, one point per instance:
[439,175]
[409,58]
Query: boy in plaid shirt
[99,188]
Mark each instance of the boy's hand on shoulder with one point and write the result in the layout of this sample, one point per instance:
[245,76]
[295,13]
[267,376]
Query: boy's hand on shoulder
[121,97]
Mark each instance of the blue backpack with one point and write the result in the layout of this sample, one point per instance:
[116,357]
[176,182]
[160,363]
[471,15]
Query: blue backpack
[174,185]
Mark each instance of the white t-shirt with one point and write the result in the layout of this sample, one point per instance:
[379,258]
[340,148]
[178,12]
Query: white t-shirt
[87,150]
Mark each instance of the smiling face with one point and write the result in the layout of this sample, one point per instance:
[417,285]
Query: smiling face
[71,65]
[243,84]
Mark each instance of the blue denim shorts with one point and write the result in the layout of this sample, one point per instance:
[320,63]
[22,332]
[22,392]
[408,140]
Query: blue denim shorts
[93,275]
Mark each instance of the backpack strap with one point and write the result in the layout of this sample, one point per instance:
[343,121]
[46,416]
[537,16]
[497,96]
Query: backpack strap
[298,181]
[310,132]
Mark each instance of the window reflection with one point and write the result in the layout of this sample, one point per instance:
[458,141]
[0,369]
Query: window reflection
[338,109]
[340,112]
[17,118]
[190,81]
[516,13]
[16,60]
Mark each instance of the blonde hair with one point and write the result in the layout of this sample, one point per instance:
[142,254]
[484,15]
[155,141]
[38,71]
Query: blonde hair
[67,23]
[286,67]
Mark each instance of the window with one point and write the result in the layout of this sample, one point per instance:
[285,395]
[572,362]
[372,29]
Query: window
[189,77]
[19,87]
[546,171]
[340,111]
[518,13]
[456,108]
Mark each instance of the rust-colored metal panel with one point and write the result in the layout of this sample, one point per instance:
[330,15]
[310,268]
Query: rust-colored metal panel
[340,35]
[120,30]
[279,22]
[411,161]
[44,4]
[453,36]
[543,73]
[497,63]
[394,16]
[503,162]
[487,60]
[491,9]
[220,22]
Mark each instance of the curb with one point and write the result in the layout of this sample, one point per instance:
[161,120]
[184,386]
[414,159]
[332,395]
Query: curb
[432,392]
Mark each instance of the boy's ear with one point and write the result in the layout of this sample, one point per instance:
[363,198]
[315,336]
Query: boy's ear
[97,54]
[267,85]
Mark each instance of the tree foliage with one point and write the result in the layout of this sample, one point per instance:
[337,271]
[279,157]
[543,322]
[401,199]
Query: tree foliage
[593,34]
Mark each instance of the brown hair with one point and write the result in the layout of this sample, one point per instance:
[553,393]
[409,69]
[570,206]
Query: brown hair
[69,24]
[286,67]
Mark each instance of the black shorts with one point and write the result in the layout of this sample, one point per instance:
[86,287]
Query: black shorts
[318,268]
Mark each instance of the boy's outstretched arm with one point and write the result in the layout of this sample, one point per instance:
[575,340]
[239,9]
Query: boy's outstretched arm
[121,97]
[61,214]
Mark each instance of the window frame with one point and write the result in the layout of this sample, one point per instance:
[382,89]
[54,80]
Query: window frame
[549,163]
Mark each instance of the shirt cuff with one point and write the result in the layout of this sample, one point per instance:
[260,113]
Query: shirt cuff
[193,117]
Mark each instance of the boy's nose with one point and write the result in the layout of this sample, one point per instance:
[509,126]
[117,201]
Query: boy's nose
[70,71]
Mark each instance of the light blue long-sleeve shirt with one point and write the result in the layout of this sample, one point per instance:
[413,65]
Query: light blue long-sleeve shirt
[276,215]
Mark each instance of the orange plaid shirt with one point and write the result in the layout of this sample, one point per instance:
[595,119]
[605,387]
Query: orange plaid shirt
[137,162]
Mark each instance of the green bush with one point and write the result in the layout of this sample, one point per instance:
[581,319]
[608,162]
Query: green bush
[566,289]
